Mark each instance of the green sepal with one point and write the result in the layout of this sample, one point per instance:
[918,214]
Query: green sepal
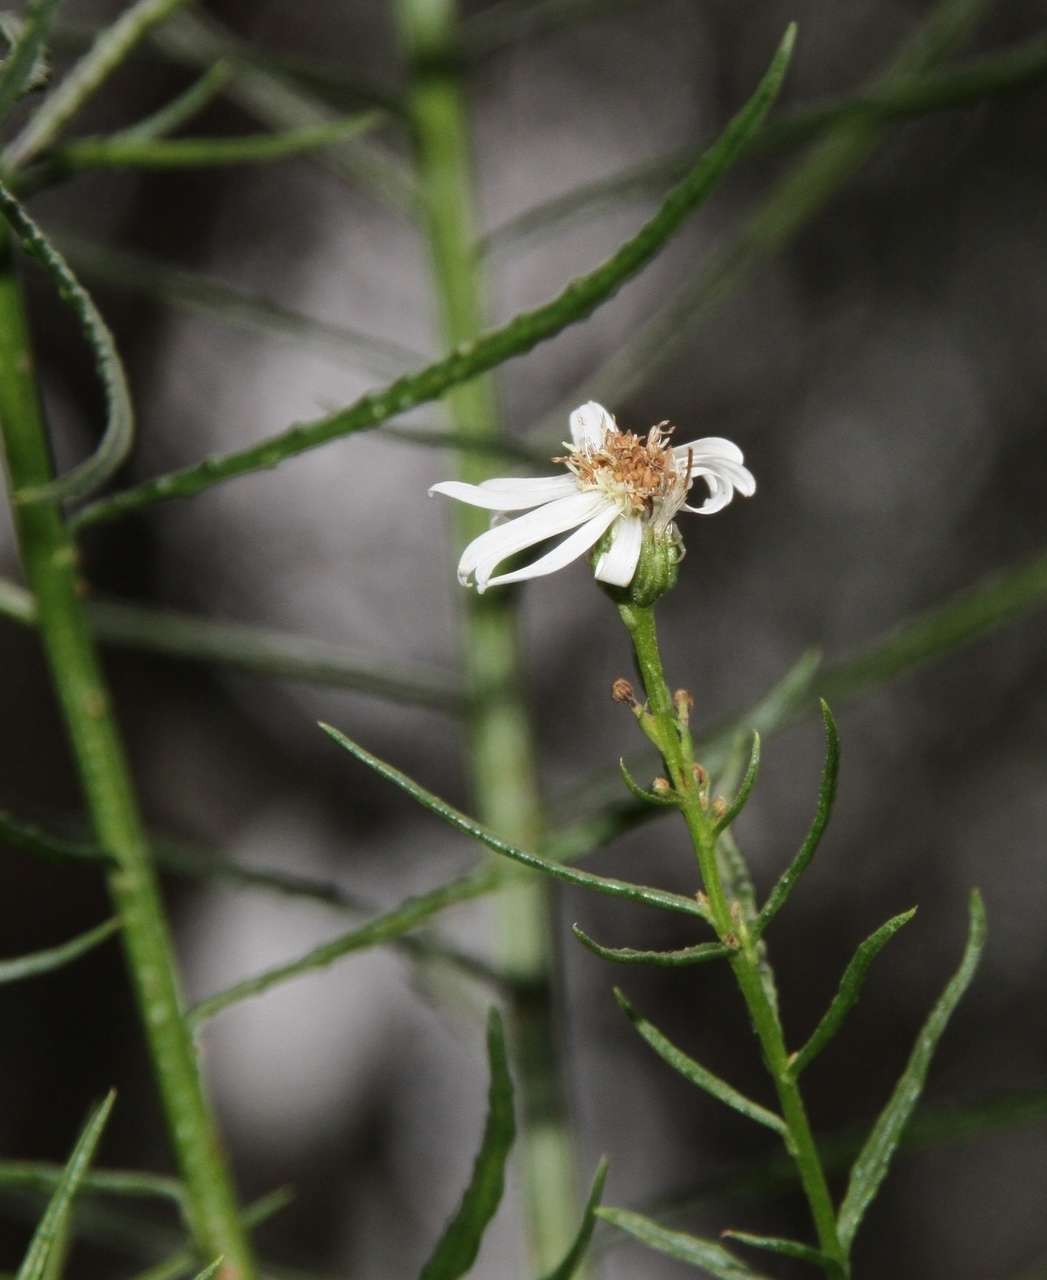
[870,1167]
[679,958]
[656,570]
[713,1257]
[460,1243]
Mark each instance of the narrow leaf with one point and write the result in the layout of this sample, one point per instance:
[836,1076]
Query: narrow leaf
[586,879]
[55,957]
[744,791]
[524,332]
[382,929]
[110,48]
[788,1249]
[664,959]
[119,429]
[27,48]
[697,1074]
[580,1245]
[826,795]
[849,990]
[180,110]
[870,1168]
[460,1243]
[52,1223]
[35,1175]
[713,1257]
[210,1271]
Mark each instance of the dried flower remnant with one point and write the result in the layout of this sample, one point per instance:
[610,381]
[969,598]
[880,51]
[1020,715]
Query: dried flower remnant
[618,483]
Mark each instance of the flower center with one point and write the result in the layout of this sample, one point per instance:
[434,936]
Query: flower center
[633,470]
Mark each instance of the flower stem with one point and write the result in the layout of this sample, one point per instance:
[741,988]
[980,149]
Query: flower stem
[504,776]
[50,560]
[674,741]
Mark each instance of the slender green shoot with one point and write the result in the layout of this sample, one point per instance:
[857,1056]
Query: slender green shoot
[579,1247]
[744,791]
[181,109]
[788,1249]
[37,962]
[706,1254]
[682,957]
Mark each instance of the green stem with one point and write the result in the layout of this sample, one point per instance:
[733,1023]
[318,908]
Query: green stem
[504,776]
[675,743]
[50,561]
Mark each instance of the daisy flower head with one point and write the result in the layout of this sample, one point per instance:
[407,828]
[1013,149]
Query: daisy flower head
[620,493]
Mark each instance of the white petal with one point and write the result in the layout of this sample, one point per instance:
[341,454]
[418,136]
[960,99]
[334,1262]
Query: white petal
[589,423]
[618,563]
[720,494]
[710,448]
[509,494]
[486,552]
[564,552]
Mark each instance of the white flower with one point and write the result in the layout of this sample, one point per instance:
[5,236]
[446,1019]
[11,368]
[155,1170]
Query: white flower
[615,481]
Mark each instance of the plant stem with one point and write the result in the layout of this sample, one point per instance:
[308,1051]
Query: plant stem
[50,559]
[500,747]
[675,744]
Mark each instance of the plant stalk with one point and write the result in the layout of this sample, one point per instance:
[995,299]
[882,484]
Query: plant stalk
[501,754]
[49,557]
[674,741]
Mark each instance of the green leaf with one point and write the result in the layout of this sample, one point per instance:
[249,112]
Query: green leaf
[572,1260]
[123,152]
[119,429]
[460,1243]
[641,793]
[27,48]
[663,959]
[849,990]
[870,1168]
[245,648]
[697,1074]
[210,1271]
[55,957]
[826,795]
[111,47]
[52,1223]
[586,879]
[181,109]
[744,791]
[578,300]
[788,1249]
[385,928]
[201,295]
[677,1244]
[35,1175]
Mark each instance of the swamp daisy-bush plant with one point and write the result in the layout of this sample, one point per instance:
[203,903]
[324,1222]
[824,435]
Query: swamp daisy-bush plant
[615,500]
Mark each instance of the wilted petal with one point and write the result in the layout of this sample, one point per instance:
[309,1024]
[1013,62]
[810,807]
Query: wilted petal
[485,553]
[589,424]
[562,554]
[618,563]
[509,494]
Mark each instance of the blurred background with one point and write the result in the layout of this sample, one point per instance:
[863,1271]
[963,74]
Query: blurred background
[884,373]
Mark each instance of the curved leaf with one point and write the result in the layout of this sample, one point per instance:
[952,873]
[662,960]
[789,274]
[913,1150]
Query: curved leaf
[707,1254]
[36,962]
[788,1249]
[826,795]
[698,1074]
[52,1224]
[586,879]
[849,990]
[663,959]
[744,791]
[870,1168]
[27,47]
[118,436]
[579,1246]
[460,1243]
